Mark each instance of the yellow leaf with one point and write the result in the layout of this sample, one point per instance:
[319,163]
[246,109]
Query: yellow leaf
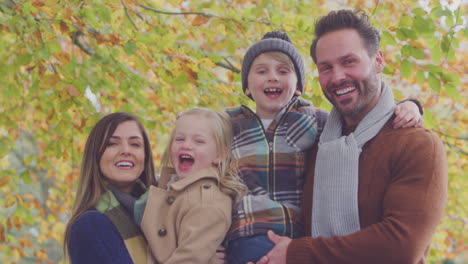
[63,57]
[49,81]
[10,201]
[15,254]
[417,44]
[57,230]
[207,63]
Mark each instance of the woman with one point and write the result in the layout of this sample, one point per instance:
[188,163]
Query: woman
[117,157]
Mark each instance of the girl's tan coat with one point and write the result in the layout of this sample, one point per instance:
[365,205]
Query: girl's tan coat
[186,221]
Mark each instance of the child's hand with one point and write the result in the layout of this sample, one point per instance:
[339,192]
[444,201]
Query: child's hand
[407,115]
[220,255]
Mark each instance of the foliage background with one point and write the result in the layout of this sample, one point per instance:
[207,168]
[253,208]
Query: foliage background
[66,63]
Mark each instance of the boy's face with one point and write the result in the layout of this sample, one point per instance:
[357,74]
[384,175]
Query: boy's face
[193,147]
[271,84]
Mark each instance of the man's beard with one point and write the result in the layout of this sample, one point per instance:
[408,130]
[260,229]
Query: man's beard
[367,90]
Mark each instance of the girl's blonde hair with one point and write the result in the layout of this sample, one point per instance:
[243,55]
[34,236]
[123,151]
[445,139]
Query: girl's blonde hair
[221,126]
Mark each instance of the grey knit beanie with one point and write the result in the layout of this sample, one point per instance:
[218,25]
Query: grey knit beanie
[273,41]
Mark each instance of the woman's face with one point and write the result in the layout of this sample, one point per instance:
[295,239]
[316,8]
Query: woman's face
[123,160]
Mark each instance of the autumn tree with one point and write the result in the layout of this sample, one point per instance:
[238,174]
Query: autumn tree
[65,63]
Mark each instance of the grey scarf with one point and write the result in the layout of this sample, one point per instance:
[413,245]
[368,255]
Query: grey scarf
[335,199]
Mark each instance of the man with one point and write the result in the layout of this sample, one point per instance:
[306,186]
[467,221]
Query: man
[373,194]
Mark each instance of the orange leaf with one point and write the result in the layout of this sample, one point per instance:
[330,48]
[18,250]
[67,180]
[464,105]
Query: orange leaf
[72,91]
[38,3]
[200,20]
[114,39]
[50,114]
[4,180]
[64,27]
[2,233]
[67,13]
[191,74]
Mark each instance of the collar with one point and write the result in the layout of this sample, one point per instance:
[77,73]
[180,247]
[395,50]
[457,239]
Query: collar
[168,173]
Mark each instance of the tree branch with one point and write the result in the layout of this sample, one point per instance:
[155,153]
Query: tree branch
[128,15]
[228,65]
[174,13]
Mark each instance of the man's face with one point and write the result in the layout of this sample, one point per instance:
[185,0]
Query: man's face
[349,77]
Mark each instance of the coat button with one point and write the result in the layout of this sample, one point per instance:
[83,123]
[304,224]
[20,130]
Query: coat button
[162,232]
[170,199]
[206,185]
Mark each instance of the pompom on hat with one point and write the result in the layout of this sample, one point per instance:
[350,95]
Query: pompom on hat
[274,41]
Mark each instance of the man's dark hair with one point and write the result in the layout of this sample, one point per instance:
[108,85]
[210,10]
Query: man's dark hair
[347,19]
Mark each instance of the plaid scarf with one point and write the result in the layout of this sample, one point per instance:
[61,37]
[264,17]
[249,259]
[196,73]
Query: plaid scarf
[131,234]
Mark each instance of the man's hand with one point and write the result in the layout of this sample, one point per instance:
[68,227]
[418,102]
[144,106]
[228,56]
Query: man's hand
[278,254]
[407,115]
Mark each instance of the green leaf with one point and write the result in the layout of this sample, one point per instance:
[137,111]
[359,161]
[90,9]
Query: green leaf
[276,18]
[449,19]
[432,41]
[215,58]
[406,68]
[406,51]
[419,11]
[451,90]
[130,47]
[145,38]
[429,120]
[406,21]
[420,76]
[26,177]
[387,38]
[102,11]
[451,78]
[450,55]
[445,44]
[247,13]
[417,53]
[406,33]
[424,25]
[435,69]
[436,12]
[436,54]
[434,82]
[24,59]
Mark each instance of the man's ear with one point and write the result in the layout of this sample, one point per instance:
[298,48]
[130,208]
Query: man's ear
[298,92]
[247,92]
[379,61]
